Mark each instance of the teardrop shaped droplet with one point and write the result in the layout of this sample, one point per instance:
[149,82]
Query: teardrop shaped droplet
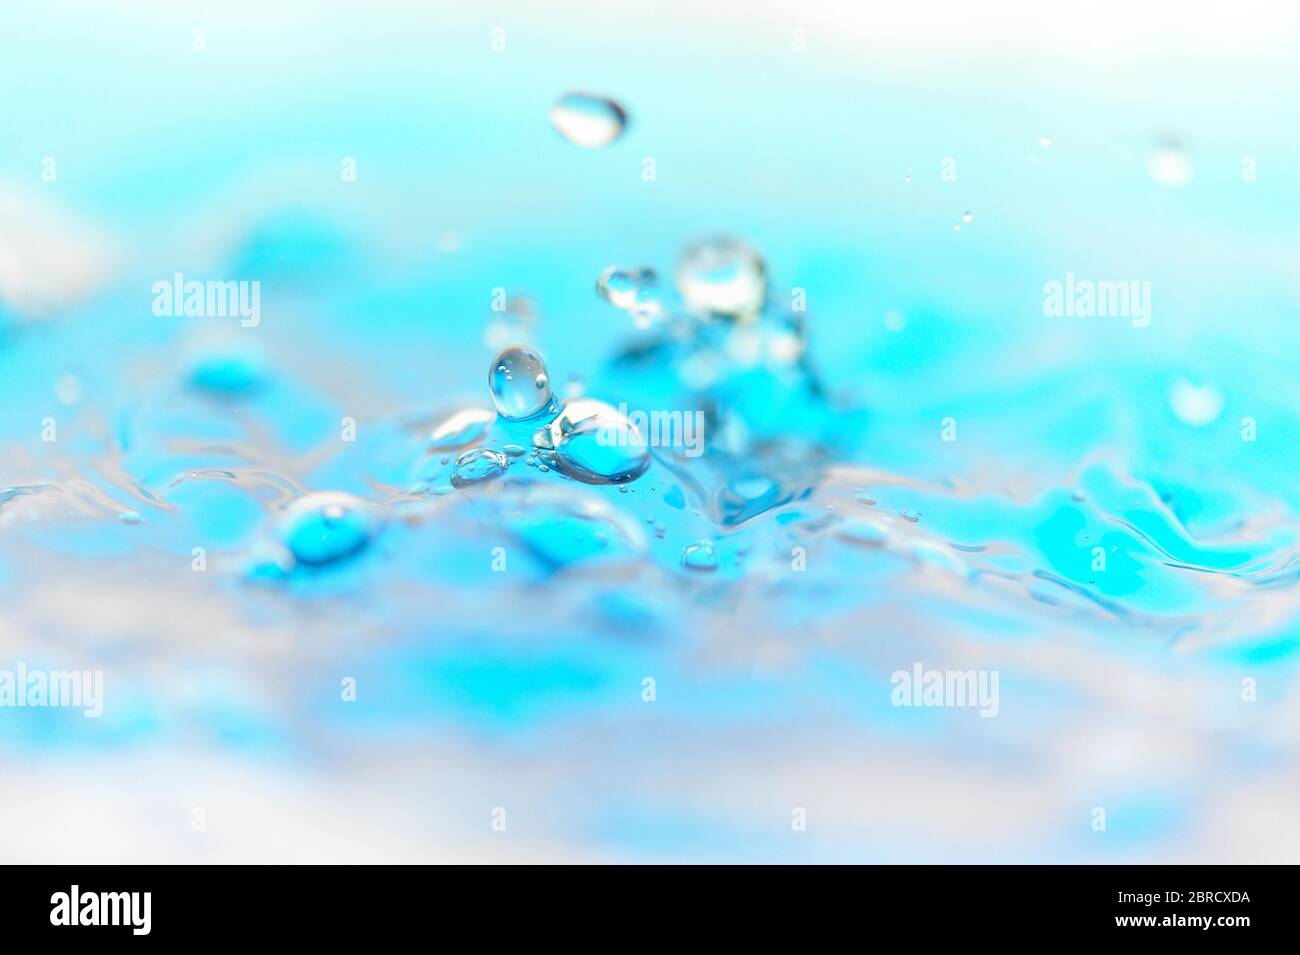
[596,444]
[477,466]
[519,383]
[588,120]
[325,527]
[723,277]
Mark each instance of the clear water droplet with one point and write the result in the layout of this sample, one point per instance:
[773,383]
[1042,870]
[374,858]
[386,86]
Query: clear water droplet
[724,277]
[519,384]
[477,466]
[596,444]
[588,120]
[636,291]
[700,556]
[325,527]
[966,217]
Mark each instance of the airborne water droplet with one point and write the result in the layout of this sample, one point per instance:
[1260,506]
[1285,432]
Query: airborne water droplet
[596,444]
[722,277]
[519,384]
[587,120]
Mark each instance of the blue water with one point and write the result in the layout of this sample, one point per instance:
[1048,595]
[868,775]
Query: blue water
[902,458]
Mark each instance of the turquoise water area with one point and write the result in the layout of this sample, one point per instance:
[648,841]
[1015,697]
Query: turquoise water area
[406,545]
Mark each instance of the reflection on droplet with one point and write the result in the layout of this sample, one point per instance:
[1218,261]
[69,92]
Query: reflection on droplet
[519,384]
[596,444]
[325,527]
[478,465]
[724,277]
[587,120]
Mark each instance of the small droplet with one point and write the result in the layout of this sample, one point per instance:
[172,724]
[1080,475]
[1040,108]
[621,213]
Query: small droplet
[325,527]
[587,120]
[966,217]
[596,444]
[723,277]
[478,465]
[700,556]
[519,384]
[1045,142]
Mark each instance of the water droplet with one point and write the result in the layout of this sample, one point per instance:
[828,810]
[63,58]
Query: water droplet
[478,465]
[461,428]
[1169,165]
[966,217]
[724,277]
[325,527]
[1045,141]
[700,556]
[130,517]
[636,291]
[1197,405]
[596,444]
[519,384]
[587,120]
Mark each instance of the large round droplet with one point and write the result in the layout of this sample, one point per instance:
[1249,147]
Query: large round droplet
[587,120]
[326,527]
[724,277]
[596,444]
[519,383]
[477,466]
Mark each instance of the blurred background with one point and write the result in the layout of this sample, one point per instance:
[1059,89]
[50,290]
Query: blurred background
[909,460]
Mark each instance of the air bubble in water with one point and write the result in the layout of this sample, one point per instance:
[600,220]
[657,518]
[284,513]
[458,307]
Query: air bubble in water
[519,383]
[478,465]
[325,527]
[596,444]
[724,277]
[587,120]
